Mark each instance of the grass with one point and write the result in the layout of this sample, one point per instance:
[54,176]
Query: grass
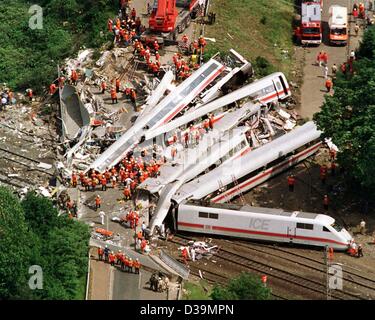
[195,291]
[255,29]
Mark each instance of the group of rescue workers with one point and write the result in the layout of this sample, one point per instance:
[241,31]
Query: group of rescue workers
[129,173]
[120,259]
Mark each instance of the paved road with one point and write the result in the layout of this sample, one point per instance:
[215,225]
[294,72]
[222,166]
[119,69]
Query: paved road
[313,88]
[129,286]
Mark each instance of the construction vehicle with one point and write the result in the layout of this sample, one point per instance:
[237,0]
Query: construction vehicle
[168,18]
[310,29]
[338,25]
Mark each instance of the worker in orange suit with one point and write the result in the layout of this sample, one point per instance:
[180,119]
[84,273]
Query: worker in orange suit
[74,179]
[100,253]
[127,193]
[110,25]
[52,89]
[291,182]
[103,86]
[113,95]
[103,182]
[184,254]
[137,266]
[98,202]
[330,253]
[74,77]
[329,84]
[30,94]
[112,258]
[118,85]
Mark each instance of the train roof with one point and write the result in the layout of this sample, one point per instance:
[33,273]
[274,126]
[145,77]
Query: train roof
[322,218]
[239,167]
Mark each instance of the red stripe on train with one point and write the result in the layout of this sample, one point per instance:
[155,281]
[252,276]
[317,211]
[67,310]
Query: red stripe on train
[269,171]
[271,234]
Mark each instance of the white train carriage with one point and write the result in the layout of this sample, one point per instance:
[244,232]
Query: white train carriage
[269,89]
[253,168]
[264,224]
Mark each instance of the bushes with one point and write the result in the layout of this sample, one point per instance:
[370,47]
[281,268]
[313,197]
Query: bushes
[349,118]
[30,57]
[33,234]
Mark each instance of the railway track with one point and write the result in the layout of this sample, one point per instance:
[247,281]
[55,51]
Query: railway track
[281,274]
[217,278]
[286,255]
[256,266]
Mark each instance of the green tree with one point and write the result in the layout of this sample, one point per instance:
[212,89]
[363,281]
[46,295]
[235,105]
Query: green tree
[244,287]
[15,248]
[348,117]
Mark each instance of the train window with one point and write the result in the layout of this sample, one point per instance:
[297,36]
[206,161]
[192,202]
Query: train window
[325,229]
[213,216]
[307,226]
[203,214]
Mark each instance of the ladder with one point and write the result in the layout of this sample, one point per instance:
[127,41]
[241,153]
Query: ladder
[235,181]
[221,188]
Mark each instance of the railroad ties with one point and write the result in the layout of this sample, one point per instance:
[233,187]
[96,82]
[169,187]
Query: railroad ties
[24,164]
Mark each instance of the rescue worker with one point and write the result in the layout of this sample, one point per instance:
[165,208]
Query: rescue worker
[328,85]
[106,253]
[206,125]
[330,253]
[332,154]
[61,82]
[118,85]
[100,253]
[29,93]
[74,180]
[211,121]
[130,265]
[186,139]
[319,59]
[113,96]
[173,152]
[343,68]
[291,182]
[133,97]
[133,14]
[74,77]
[119,256]
[325,202]
[185,39]
[112,258]
[143,228]
[103,182]
[127,193]
[98,202]
[184,253]
[157,56]
[52,89]
[202,43]
[110,25]
[325,58]
[137,266]
[156,45]
[323,173]
[359,251]
[362,226]
[325,72]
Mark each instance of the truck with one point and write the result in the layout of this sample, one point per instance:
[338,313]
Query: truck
[338,25]
[309,30]
[170,17]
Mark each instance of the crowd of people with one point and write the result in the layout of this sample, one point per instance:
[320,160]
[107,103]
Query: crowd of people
[120,259]
[129,173]
[7,97]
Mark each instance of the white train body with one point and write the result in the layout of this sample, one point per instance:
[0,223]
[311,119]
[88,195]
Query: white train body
[264,224]
[253,168]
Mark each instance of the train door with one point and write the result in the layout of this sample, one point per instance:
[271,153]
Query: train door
[291,232]
[285,89]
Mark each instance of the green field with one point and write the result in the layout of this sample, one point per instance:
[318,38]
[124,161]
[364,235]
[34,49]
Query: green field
[255,29]
[196,291]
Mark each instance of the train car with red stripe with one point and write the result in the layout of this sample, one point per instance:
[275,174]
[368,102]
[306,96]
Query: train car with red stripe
[253,168]
[263,224]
